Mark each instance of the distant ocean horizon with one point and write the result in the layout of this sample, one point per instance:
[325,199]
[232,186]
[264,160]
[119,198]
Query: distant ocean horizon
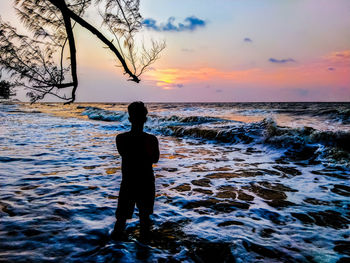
[160,102]
[15,100]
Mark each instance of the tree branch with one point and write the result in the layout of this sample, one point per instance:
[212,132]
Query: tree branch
[73,56]
[66,11]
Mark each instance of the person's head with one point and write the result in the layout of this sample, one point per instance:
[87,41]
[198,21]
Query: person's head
[137,113]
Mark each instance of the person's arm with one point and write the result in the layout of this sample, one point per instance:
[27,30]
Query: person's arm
[120,145]
[155,152]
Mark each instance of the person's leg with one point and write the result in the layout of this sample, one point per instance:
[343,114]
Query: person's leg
[124,211]
[145,226]
[145,203]
[120,225]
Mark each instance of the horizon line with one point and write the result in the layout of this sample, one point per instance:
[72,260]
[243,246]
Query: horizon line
[163,102]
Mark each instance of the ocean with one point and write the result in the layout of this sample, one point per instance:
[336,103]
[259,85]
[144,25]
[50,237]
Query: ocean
[236,182]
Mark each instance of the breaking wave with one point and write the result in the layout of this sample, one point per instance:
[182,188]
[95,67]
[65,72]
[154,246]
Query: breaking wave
[192,119]
[305,143]
[341,115]
[95,113]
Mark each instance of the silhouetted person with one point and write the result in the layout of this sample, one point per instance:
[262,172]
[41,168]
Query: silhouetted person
[139,150]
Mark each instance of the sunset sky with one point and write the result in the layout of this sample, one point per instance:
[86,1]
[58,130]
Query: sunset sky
[227,50]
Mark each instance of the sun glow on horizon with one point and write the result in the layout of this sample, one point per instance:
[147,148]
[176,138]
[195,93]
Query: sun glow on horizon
[331,69]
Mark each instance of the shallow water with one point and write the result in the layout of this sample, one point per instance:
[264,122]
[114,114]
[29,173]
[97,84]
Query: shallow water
[244,183]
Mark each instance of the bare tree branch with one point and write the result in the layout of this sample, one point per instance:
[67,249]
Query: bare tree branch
[36,61]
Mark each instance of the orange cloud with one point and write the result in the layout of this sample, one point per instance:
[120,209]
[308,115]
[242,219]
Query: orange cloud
[340,55]
[176,77]
[333,69]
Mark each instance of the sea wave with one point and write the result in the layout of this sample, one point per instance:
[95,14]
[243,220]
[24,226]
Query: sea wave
[192,119]
[221,134]
[342,115]
[334,112]
[95,113]
[306,135]
[309,143]
[304,143]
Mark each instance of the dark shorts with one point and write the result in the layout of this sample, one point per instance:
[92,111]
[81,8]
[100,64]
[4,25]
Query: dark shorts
[142,195]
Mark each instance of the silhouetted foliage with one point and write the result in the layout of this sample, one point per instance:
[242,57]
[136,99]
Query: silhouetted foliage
[6,89]
[36,61]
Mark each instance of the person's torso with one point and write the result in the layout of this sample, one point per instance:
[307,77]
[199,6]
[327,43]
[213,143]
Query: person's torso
[136,161]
